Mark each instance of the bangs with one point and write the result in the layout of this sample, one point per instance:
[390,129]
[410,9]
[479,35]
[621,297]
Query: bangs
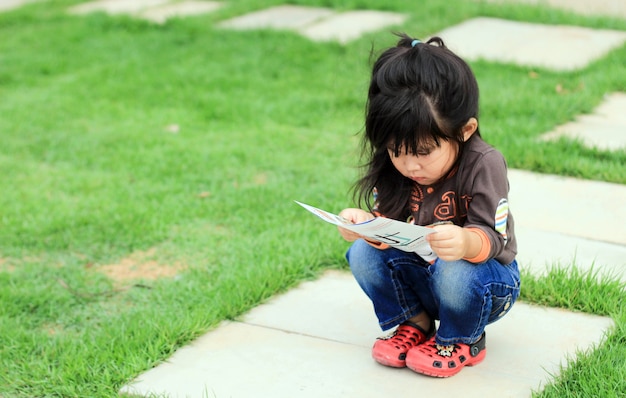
[414,136]
[406,124]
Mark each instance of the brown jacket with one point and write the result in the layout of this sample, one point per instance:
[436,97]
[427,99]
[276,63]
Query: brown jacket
[483,187]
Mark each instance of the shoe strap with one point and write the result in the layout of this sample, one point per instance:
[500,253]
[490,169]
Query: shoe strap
[426,334]
[478,346]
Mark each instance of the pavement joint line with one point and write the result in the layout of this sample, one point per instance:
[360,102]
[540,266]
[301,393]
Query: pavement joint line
[293,332]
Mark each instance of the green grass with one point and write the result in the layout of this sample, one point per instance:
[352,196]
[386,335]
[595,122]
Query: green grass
[186,145]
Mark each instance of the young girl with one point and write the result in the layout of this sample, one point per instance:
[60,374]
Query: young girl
[428,165]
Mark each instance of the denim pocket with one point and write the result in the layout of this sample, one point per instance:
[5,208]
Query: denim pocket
[500,305]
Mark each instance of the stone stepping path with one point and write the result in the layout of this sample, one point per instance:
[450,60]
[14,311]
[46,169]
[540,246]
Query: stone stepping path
[515,42]
[317,24]
[113,7]
[183,9]
[610,8]
[604,129]
[560,220]
[351,25]
[280,17]
[315,341]
[545,46]
[6,5]
[158,11]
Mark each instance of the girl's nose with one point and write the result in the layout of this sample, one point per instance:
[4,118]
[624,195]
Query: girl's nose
[412,164]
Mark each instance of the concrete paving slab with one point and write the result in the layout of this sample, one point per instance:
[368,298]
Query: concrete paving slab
[351,25]
[610,8]
[334,308]
[115,6]
[541,250]
[279,17]
[314,341]
[160,14]
[319,24]
[591,210]
[6,5]
[605,128]
[522,43]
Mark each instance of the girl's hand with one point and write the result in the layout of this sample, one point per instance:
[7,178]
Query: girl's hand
[355,216]
[452,242]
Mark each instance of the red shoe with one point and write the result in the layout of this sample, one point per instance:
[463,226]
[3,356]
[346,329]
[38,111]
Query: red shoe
[391,351]
[436,360]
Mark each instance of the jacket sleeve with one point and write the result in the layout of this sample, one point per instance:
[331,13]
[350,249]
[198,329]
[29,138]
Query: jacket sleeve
[488,209]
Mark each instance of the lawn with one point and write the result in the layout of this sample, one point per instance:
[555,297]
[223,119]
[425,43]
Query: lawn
[149,173]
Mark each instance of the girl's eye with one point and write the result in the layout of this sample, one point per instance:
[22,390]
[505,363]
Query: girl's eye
[423,152]
[393,154]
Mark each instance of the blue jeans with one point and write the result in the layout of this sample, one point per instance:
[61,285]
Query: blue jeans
[465,297]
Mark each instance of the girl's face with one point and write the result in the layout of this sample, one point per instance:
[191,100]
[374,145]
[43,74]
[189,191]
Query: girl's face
[427,166]
[431,164]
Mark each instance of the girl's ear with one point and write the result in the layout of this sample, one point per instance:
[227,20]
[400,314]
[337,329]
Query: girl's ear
[470,128]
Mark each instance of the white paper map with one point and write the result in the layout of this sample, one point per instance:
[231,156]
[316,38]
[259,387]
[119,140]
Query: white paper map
[401,235]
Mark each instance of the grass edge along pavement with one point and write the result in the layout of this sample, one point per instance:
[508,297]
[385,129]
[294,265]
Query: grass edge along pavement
[62,322]
[599,372]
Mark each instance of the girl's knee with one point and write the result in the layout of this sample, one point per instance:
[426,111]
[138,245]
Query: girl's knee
[361,255]
[366,262]
[452,273]
[456,282]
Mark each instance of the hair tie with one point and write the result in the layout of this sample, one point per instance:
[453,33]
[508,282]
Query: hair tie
[415,43]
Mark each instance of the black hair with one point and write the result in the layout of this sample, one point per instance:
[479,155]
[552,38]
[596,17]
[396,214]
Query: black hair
[419,94]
